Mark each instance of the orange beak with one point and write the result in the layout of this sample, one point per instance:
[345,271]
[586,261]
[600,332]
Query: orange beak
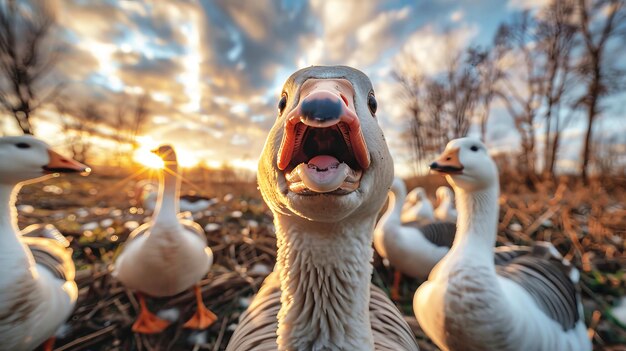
[448,162]
[60,164]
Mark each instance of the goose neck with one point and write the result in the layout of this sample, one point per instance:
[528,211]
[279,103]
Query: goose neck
[477,216]
[325,274]
[169,192]
[15,262]
[396,196]
[8,212]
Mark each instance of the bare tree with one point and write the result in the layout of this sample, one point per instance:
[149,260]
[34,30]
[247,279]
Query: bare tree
[129,122]
[23,61]
[439,107]
[411,81]
[140,116]
[599,21]
[487,64]
[79,125]
[523,104]
[556,31]
[462,93]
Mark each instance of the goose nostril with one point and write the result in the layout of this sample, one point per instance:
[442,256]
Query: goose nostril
[344,98]
[448,159]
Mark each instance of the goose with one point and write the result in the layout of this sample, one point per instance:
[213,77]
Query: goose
[37,288]
[411,249]
[529,302]
[167,255]
[324,172]
[445,212]
[418,208]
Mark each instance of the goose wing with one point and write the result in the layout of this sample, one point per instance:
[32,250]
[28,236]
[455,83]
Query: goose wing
[391,332]
[440,233]
[503,255]
[52,255]
[194,228]
[257,325]
[547,280]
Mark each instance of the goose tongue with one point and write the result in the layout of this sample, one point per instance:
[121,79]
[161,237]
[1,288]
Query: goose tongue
[322,174]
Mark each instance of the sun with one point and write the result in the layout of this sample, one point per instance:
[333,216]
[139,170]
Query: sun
[148,159]
[144,153]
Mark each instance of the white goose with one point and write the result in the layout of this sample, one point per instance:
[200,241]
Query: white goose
[167,255]
[445,212]
[528,303]
[412,250]
[324,172]
[37,288]
[417,208]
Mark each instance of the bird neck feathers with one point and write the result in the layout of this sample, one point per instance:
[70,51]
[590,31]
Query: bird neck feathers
[8,216]
[477,218]
[169,191]
[16,262]
[325,274]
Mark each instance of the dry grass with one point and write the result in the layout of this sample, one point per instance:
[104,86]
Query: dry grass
[586,224]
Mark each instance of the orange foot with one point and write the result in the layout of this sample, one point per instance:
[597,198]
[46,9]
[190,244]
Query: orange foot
[395,288]
[48,345]
[203,317]
[147,322]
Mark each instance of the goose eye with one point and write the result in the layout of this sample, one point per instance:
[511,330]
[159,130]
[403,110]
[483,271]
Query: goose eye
[474,148]
[22,145]
[371,103]
[282,103]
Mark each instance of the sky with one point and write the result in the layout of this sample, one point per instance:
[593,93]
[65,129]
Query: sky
[215,68]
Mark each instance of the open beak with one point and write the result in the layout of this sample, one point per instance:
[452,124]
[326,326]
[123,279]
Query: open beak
[60,164]
[323,149]
[448,163]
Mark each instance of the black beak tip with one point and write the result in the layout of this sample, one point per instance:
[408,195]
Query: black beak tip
[434,165]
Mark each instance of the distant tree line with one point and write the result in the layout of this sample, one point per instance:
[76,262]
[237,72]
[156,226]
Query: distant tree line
[545,67]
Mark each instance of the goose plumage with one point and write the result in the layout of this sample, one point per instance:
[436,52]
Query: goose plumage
[412,249]
[324,172]
[37,288]
[167,255]
[528,302]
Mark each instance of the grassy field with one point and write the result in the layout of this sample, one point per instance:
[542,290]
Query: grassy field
[586,224]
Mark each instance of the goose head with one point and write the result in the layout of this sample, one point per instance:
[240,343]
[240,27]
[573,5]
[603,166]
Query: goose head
[326,158]
[26,158]
[467,165]
[166,153]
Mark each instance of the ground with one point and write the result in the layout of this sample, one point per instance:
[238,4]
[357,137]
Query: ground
[586,224]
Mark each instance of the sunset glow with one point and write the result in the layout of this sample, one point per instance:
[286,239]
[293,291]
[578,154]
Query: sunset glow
[186,159]
[144,154]
[148,159]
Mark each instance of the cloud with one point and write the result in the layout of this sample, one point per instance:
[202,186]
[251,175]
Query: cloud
[527,4]
[457,16]
[214,68]
[244,44]
[433,49]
